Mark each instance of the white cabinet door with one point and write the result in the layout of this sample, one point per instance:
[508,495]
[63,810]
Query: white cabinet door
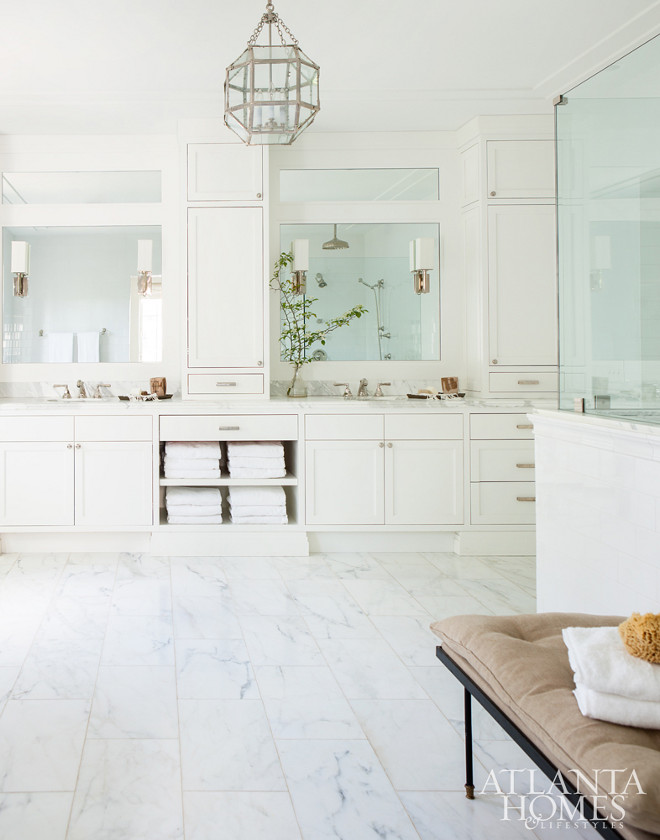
[225,172]
[424,482]
[522,288]
[114,483]
[521,169]
[344,482]
[225,287]
[36,484]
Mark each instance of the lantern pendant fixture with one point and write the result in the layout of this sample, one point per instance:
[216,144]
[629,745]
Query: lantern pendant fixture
[271,91]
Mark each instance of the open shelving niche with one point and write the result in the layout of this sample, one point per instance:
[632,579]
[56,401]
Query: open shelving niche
[289,482]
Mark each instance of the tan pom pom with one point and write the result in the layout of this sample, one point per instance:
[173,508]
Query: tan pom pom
[641,636]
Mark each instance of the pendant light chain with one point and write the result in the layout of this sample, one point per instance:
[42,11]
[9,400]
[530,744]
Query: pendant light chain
[271,18]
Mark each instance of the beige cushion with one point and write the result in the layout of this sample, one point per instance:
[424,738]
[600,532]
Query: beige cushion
[521,663]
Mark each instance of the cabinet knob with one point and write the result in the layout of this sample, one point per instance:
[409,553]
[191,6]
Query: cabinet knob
[389,444]
[69,446]
[260,364]
[493,361]
[78,446]
[381,444]
[492,192]
[258,195]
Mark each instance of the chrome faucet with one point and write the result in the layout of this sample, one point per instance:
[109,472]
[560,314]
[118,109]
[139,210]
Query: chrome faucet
[362,390]
[82,393]
[66,395]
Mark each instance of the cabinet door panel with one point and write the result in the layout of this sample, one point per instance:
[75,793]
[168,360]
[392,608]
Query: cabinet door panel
[344,483]
[424,482]
[521,169]
[114,484]
[224,172]
[36,484]
[522,288]
[225,287]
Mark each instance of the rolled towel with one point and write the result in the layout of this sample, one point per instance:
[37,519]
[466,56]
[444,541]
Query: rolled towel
[248,472]
[191,463]
[617,709]
[273,495]
[601,663]
[194,510]
[238,461]
[259,520]
[193,449]
[192,474]
[255,449]
[173,519]
[257,510]
[193,496]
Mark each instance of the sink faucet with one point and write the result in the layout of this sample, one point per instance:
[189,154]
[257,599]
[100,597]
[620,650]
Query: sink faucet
[82,393]
[379,389]
[347,389]
[66,394]
[97,395]
[362,390]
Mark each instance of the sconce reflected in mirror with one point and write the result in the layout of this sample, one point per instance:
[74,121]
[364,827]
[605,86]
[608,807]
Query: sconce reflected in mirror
[20,267]
[421,263]
[300,267]
[145,266]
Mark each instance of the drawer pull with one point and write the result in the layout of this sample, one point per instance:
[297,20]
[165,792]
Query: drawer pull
[229,428]
[525,466]
[224,384]
[529,382]
[524,426]
[525,498]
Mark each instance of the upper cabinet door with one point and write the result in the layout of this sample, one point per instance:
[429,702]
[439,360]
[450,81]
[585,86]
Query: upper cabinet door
[521,169]
[225,287]
[522,285]
[225,172]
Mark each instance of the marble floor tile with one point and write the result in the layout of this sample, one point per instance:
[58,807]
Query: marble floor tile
[7,679]
[75,617]
[40,744]
[340,792]
[369,668]
[329,611]
[34,816]
[303,568]
[410,637]
[146,566]
[137,596]
[220,668]
[128,789]
[460,568]
[280,641]
[306,702]
[138,640]
[250,568]
[59,669]
[500,597]
[356,567]
[442,687]
[134,702]
[199,615]
[6,563]
[445,606]
[413,568]
[17,633]
[242,815]
[383,597]
[227,745]
[262,597]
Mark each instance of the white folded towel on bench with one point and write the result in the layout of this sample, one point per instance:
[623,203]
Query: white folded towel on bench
[193,449]
[617,709]
[257,495]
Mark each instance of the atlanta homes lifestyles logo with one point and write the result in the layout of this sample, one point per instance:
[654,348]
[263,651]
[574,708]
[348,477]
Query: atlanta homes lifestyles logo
[540,807]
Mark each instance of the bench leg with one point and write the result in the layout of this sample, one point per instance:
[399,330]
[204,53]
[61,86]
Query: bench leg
[469,771]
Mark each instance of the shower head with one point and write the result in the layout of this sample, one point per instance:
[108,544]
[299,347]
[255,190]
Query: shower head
[320,280]
[335,244]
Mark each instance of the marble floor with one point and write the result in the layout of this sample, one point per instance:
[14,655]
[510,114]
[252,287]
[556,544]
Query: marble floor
[152,698]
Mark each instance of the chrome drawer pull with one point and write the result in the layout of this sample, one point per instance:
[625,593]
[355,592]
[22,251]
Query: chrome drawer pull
[525,466]
[528,382]
[525,498]
[229,428]
[225,384]
[524,426]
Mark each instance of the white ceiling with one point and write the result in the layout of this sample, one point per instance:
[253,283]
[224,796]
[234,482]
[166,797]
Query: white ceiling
[137,66]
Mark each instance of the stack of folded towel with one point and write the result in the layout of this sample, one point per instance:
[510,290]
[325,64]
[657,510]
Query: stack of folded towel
[192,459]
[610,684]
[263,459]
[258,505]
[193,505]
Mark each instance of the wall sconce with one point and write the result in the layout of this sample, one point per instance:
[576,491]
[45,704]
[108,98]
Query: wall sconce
[20,267]
[422,260]
[300,251]
[144,266]
[601,260]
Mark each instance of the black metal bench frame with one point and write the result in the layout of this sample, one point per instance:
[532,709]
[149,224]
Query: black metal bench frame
[471,689]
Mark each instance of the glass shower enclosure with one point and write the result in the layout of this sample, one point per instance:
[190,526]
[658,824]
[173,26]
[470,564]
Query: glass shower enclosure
[608,216]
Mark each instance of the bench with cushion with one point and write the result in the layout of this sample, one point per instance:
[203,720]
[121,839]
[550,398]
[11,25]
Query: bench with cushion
[517,668]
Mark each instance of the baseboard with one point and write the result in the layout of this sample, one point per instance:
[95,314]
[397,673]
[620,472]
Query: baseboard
[340,542]
[228,544]
[44,543]
[498,543]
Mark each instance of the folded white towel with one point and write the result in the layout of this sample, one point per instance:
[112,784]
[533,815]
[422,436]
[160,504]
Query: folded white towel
[191,463]
[193,496]
[88,346]
[59,347]
[260,520]
[193,449]
[257,510]
[192,474]
[601,662]
[255,449]
[617,709]
[273,495]
[173,519]
[247,472]
[194,510]
[239,462]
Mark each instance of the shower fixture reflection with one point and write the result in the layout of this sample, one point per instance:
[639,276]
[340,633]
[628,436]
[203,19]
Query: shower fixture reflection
[377,289]
[322,283]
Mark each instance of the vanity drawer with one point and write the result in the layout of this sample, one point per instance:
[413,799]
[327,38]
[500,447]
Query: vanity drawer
[230,427]
[502,460]
[503,503]
[344,426]
[212,383]
[36,429]
[424,426]
[114,428]
[500,426]
[524,382]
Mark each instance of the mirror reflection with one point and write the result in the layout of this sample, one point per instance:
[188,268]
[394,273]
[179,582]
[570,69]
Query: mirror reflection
[369,264]
[143,187]
[82,301]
